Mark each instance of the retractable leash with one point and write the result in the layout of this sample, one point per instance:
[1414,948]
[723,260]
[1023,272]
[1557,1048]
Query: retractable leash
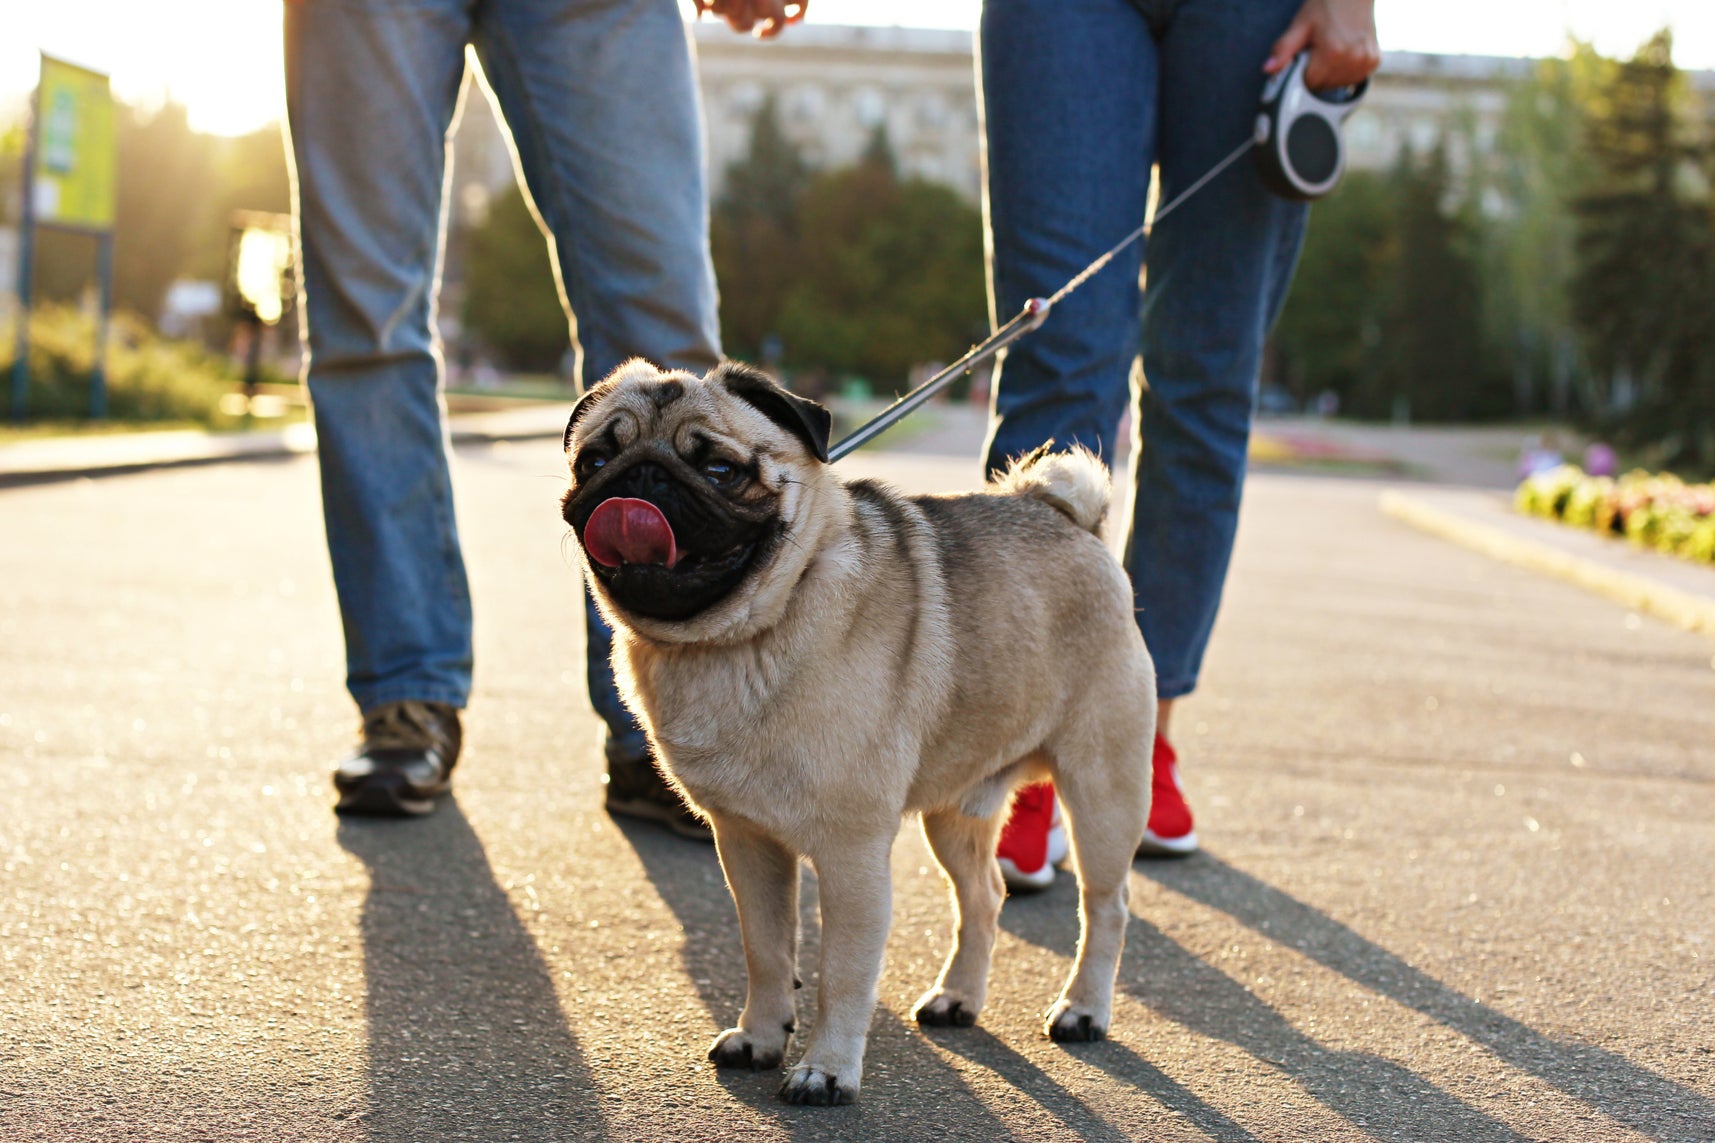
[1300,154]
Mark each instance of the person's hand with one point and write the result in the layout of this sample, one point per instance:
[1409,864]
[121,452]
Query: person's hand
[767,18]
[1341,36]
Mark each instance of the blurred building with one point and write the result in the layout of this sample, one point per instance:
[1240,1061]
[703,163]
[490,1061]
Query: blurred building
[1421,101]
[833,86]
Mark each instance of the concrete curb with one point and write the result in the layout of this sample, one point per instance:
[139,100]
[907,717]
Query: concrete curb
[67,458]
[1681,608]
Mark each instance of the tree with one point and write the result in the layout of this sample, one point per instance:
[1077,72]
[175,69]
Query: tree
[1430,352]
[1332,319]
[854,271]
[1530,178]
[754,234]
[511,298]
[163,219]
[176,191]
[889,274]
[11,172]
[1644,286]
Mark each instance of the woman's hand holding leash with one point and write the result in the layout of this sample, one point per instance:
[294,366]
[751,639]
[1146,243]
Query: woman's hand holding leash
[1341,38]
[767,18]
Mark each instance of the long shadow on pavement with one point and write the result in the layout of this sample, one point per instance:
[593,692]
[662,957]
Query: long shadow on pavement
[1648,1103]
[980,1047]
[1373,1093]
[467,1040]
[909,1091]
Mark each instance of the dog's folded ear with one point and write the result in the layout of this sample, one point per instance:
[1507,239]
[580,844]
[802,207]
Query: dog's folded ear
[800,416]
[591,395]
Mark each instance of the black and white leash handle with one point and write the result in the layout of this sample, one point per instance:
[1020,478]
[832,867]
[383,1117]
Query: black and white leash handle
[1300,149]
[1300,153]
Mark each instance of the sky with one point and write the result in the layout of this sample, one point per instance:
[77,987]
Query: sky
[222,57]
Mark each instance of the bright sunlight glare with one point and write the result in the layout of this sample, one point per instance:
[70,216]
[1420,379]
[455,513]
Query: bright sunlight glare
[221,58]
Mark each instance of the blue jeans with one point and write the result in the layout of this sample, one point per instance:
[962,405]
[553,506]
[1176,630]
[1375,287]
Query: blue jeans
[1080,99]
[602,106]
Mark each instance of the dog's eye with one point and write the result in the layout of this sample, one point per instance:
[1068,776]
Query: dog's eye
[589,463]
[722,473]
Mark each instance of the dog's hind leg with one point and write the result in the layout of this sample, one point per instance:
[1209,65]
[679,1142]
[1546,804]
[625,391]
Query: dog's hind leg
[965,848]
[763,877]
[1107,804]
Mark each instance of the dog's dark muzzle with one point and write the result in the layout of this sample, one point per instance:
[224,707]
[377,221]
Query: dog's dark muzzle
[662,547]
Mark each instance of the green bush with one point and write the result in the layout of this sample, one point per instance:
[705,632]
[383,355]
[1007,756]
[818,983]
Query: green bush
[1658,511]
[149,378]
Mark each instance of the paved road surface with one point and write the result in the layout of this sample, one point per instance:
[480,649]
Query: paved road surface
[1457,884]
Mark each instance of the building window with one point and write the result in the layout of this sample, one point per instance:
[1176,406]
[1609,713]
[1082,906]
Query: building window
[744,98]
[1425,133]
[806,103]
[870,106]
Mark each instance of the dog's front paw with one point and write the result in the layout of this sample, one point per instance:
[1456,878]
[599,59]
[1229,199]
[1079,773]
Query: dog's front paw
[942,1008]
[736,1048]
[1070,1023]
[810,1086]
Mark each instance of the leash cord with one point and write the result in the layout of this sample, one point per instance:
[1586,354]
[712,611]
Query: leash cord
[1030,318]
[1095,267]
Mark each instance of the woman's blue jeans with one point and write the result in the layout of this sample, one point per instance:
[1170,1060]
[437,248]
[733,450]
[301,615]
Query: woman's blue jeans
[602,105]
[1081,98]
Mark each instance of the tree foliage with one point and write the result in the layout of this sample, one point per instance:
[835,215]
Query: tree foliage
[511,300]
[164,201]
[1527,236]
[176,191]
[1430,352]
[1386,308]
[1565,266]
[888,275]
[853,271]
[754,235]
[149,378]
[1644,288]
[1332,321]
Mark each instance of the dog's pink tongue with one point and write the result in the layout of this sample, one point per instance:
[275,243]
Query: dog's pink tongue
[624,530]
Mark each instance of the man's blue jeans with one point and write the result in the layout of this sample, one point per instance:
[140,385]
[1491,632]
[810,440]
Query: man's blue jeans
[602,106]
[1080,99]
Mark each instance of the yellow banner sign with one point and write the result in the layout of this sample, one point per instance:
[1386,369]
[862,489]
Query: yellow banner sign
[76,151]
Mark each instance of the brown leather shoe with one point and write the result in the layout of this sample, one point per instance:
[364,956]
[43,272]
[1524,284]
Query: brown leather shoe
[404,763]
[636,789]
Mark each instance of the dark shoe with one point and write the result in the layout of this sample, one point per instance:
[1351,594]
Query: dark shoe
[635,789]
[404,763]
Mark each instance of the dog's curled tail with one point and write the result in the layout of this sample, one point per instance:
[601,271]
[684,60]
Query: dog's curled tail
[1074,482]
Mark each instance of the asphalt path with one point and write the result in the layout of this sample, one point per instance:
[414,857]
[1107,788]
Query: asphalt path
[1457,883]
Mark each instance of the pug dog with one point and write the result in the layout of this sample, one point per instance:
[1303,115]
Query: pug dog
[814,658]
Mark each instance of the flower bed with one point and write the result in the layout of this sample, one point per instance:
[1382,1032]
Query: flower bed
[1652,511]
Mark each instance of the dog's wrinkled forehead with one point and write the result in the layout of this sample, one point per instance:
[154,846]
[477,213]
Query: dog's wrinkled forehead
[733,403]
[626,403]
[641,403]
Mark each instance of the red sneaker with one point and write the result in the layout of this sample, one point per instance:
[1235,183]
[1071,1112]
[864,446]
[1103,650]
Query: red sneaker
[1169,833]
[1033,841]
